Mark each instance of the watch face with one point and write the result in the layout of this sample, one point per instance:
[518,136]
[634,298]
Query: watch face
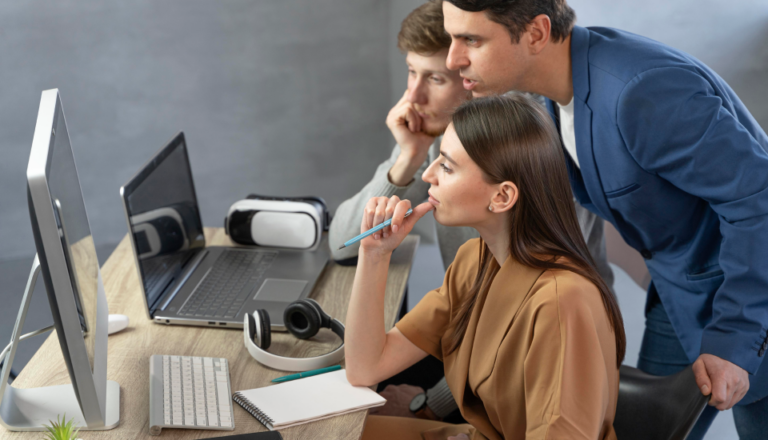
[418,402]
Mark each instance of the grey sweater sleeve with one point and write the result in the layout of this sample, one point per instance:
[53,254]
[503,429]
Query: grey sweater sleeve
[349,215]
[592,227]
[440,400]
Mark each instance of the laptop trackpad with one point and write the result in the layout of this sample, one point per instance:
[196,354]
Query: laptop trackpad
[275,289]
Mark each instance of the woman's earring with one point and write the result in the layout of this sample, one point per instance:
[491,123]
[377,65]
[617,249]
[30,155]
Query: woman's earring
[490,208]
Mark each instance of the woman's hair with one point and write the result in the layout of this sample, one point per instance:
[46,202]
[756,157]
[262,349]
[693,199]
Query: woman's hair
[512,138]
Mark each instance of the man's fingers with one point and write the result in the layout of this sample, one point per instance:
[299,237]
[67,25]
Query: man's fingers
[412,120]
[720,395]
[702,378]
[736,390]
[404,97]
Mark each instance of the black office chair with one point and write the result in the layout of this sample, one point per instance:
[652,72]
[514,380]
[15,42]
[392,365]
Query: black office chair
[657,407]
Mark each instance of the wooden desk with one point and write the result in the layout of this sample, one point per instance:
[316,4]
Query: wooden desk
[129,351]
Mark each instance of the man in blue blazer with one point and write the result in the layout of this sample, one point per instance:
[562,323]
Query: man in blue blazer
[659,145]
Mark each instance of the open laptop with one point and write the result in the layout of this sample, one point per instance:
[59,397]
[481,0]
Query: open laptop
[183,281]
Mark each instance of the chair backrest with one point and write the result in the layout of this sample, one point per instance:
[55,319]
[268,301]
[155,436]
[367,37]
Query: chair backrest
[657,407]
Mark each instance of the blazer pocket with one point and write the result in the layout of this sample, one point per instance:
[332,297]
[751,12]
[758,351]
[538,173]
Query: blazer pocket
[621,191]
[704,275]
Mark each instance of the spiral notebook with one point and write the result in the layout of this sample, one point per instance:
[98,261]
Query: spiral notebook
[306,400]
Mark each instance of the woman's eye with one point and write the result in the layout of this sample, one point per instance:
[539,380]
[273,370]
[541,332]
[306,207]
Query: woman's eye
[445,168]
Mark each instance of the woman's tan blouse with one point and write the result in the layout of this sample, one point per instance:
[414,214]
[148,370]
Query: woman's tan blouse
[538,359]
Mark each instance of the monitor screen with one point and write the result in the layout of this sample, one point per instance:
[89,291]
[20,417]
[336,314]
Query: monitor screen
[74,230]
[68,264]
[164,218]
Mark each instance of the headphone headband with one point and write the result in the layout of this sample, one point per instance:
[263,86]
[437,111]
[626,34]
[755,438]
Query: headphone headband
[253,327]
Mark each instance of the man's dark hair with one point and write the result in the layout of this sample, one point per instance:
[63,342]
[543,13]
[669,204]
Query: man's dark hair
[516,14]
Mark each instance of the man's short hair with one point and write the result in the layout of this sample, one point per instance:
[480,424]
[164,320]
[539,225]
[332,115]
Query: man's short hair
[515,15]
[422,30]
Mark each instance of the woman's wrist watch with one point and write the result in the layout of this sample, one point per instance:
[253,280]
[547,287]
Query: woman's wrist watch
[420,409]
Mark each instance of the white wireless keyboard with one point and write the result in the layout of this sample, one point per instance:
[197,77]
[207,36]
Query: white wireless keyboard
[189,392]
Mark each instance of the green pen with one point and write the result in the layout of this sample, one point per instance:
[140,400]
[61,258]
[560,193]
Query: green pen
[306,374]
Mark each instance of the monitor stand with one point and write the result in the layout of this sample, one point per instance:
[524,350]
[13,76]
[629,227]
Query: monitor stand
[27,409]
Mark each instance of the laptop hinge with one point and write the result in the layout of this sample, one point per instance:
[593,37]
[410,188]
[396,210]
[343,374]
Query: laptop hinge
[176,283]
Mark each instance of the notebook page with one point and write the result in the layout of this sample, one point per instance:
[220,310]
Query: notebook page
[311,398]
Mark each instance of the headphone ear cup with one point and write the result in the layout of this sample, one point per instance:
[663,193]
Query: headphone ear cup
[302,319]
[252,328]
[266,328]
[325,319]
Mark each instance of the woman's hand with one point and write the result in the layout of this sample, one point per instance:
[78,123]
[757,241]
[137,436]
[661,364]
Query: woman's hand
[380,209]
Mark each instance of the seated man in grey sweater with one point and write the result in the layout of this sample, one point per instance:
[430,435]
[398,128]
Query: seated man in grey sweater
[417,122]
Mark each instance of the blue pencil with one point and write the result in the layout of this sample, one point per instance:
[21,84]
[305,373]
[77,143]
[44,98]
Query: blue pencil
[352,241]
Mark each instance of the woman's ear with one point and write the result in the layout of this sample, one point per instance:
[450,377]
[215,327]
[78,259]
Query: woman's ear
[505,197]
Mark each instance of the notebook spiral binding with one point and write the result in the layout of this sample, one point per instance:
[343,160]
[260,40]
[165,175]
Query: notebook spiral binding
[253,410]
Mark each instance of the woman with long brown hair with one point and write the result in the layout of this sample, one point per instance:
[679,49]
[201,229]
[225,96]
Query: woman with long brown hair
[530,335]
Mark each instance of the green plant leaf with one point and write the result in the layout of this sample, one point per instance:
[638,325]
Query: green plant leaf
[61,429]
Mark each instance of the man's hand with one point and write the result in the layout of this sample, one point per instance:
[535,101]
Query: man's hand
[406,126]
[398,400]
[726,382]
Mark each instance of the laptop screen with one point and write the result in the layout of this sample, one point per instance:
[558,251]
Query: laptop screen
[164,218]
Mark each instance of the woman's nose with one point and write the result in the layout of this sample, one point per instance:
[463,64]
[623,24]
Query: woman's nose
[429,174]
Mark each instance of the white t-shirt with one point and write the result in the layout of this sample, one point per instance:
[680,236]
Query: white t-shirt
[567,131]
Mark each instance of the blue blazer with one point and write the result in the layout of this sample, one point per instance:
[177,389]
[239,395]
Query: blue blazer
[674,160]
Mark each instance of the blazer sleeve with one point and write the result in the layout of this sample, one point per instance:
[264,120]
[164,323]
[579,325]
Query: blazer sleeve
[675,125]
[567,391]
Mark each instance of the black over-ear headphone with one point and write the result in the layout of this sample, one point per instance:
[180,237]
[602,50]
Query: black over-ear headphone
[303,319]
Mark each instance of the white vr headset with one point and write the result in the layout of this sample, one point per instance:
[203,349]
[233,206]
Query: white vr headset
[303,319]
[296,222]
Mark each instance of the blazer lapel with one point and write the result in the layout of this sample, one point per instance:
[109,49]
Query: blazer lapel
[574,174]
[582,122]
[508,292]
[497,306]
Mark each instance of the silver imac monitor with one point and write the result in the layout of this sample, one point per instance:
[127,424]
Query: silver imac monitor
[70,270]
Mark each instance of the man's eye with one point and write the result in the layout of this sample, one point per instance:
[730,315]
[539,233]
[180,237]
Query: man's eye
[471,41]
[436,79]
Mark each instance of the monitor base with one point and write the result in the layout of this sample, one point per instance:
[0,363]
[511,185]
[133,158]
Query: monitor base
[27,409]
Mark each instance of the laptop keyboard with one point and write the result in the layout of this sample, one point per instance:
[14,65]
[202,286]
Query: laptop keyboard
[158,269]
[221,293]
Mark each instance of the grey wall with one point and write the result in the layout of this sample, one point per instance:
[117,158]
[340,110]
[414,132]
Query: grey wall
[729,36]
[284,98]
